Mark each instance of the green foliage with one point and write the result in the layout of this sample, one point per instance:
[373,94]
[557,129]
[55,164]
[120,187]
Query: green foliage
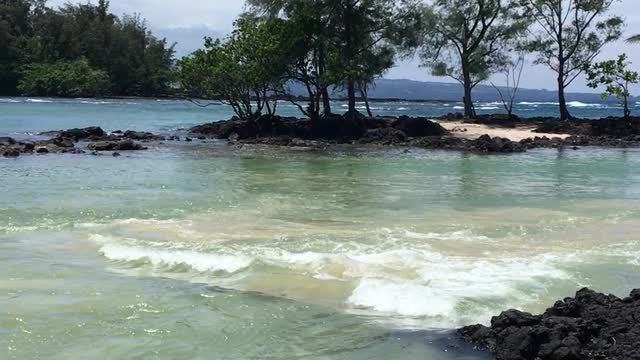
[245,71]
[571,34]
[364,37]
[63,78]
[468,40]
[615,77]
[31,33]
[341,43]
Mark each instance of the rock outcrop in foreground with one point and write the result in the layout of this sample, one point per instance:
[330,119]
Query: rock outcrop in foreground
[591,326]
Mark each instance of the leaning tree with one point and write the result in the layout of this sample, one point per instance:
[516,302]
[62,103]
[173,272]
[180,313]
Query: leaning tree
[568,36]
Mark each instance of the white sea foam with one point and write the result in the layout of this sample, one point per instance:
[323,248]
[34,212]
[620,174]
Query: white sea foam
[96,102]
[570,104]
[525,103]
[581,104]
[10,101]
[488,108]
[202,262]
[445,283]
[458,107]
[38,101]
[403,298]
[462,235]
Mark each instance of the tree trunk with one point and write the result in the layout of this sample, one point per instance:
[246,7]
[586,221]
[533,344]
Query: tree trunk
[351,93]
[364,93]
[562,100]
[627,112]
[469,111]
[351,84]
[326,101]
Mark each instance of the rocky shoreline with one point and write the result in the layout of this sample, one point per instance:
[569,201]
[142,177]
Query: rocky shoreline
[68,141]
[589,326]
[402,131]
[423,133]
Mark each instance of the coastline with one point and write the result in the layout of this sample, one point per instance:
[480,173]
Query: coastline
[489,134]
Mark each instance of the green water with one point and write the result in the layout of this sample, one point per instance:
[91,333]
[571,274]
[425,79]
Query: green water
[202,251]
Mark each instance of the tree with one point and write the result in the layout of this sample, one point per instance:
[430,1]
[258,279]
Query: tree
[615,77]
[342,38]
[63,78]
[468,40]
[570,35]
[137,63]
[15,25]
[245,71]
[313,22]
[513,74]
[364,29]
[378,61]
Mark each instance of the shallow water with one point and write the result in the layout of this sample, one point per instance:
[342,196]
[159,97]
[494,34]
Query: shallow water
[196,250]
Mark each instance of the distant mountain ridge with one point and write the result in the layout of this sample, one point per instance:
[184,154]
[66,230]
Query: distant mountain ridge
[403,89]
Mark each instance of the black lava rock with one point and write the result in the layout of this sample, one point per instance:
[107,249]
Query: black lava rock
[384,136]
[124,145]
[590,326]
[419,127]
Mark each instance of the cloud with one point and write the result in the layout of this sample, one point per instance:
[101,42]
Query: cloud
[172,14]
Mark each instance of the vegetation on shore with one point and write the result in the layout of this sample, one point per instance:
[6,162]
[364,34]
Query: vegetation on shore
[326,45]
[80,50]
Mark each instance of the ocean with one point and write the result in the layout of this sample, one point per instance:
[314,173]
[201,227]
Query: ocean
[202,251]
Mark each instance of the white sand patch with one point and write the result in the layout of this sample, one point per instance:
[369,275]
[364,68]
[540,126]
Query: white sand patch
[473,131]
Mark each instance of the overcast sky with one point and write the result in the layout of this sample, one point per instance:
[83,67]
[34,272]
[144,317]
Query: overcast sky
[187,22]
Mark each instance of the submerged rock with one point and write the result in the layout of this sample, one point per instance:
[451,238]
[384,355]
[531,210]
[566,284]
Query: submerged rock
[590,326]
[63,142]
[6,141]
[11,153]
[124,145]
[141,135]
[384,136]
[487,144]
[94,132]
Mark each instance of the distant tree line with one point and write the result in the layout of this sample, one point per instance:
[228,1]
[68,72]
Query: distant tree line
[80,50]
[327,45]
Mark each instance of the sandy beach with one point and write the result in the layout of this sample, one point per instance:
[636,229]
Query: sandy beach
[473,131]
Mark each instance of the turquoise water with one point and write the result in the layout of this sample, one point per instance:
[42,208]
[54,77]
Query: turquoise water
[200,251]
